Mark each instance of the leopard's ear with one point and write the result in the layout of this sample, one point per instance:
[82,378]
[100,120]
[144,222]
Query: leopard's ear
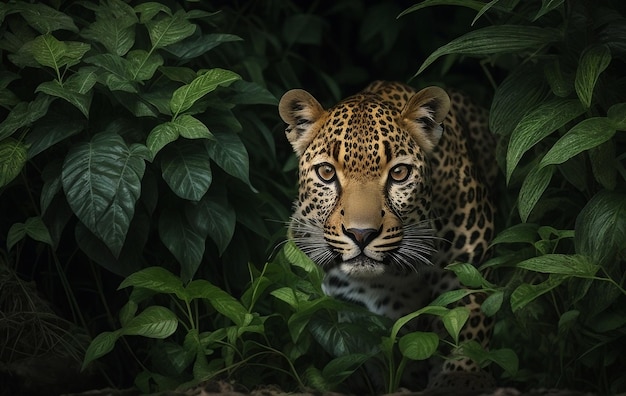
[302,112]
[423,114]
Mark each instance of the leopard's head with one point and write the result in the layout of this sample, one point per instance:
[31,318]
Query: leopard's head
[365,190]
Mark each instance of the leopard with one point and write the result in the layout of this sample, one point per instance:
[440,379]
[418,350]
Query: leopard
[393,185]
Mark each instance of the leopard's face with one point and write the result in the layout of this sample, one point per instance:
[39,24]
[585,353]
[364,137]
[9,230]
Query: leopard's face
[365,192]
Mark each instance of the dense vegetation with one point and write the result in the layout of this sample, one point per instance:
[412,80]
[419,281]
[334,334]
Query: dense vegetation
[145,182]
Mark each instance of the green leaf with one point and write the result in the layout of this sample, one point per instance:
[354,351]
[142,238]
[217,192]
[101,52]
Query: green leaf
[450,297]
[24,114]
[186,169]
[160,136]
[169,29]
[82,81]
[563,264]
[184,241]
[603,164]
[151,9]
[191,128]
[43,18]
[157,279]
[184,75]
[492,304]
[48,51]
[518,233]
[214,217]
[547,6]
[525,293]
[419,345]
[200,44]
[467,274]
[454,320]
[102,344]
[617,116]
[340,368]
[102,182]
[230,154]
[116,34]
[13,156]
[495,40]
[601,228]
[154,322]
[127,312]
[119,77]
[223,302]
[143,64]
[560,85]
[185,96]
[532,188]
[81,101]
[587,134]
[593,61]
[475,5]
[536,125]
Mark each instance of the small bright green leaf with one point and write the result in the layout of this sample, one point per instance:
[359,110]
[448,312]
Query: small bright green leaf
[538,124]
[532,188]
[157,279]
[143,64]
[43,18]
[495,40]
[230,154]
[186,169]
[185,96]
[102,182]
[617,116]
[169,29]
[102,344]
[492,304]
[467,274]
[296,257]
[154,322]
[191,128]
[525,293]
[13,156]
[419,345]
[593,61]
[160,136]
[454,320]
[587,134]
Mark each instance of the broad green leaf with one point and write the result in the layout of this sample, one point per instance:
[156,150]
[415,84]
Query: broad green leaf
[454,320]
[48,51]
[150,9]
[102,344]
[230,154]
[617,116]
[587,134]
[184,241]
[450,297]
[419,345]
[157,279]
[547,6]
[467,274]
[475,5]
[344,338]
[340,368]
[288,295]
[186,169]
[102,182]
[495,40]
[492,304]
[505,358]
[563,264]
[601,228]
[117,83]
[223,302]
[37,230]
[526,293]
[200,44]
[518,233]
[191,128]
[13,156]
[185,96]
[214,217]
[536,125]
[116,65]
[169,29]
[143,64]
[154,322]
[82,81]
[160,136]
[43,18]
[24,114]
[593,61]
[53,88]
[116,34]
[532,188]
[560,85]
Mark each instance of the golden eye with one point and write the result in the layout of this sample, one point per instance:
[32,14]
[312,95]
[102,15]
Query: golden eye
[326,172]
[399,173]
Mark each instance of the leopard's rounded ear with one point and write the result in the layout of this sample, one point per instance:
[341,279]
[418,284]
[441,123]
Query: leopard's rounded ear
[301,111]
[423,115]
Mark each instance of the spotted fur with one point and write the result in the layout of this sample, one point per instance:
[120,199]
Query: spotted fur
[393,186]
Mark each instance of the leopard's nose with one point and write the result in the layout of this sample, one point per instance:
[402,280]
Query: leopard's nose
[362,236]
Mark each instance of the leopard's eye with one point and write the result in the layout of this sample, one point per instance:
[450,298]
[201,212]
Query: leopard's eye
[399,173]
[326,172]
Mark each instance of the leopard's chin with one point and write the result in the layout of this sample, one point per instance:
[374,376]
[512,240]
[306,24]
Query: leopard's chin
[362,267]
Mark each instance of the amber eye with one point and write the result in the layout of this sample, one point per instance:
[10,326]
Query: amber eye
[326,172]
[399,173]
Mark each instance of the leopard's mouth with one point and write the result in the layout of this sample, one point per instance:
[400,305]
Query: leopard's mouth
[362,266]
